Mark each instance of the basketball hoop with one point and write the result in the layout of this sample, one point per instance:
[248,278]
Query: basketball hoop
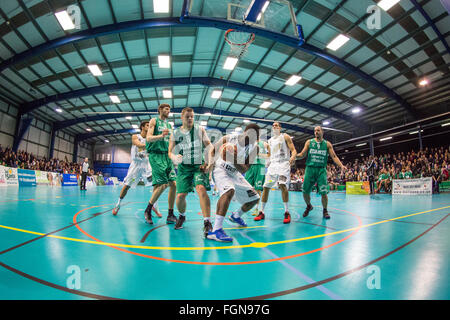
[239,41]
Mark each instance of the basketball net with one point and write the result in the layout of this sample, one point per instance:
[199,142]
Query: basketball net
[239,41]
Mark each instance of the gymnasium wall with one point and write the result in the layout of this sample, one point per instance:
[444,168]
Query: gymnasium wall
[7,124]
[37,139]
[120,158]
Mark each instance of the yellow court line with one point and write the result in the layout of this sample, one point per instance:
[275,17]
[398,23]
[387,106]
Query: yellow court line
[252,245]
[242,228]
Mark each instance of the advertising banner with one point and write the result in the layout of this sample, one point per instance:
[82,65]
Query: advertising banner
[90,181]
[361,187]
[2,177]
[54,179]
[42,178]
[444,186]
[412,186]
[100,181]
[69,179]
[11,177]
[27,178]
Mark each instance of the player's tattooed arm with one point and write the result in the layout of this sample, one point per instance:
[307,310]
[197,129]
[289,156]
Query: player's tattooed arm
[291,147]
[333,156]
[151,129]
[304,152]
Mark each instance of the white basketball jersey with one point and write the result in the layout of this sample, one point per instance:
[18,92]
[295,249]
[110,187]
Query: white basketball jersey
[137,155]
[242,151]
[279,151]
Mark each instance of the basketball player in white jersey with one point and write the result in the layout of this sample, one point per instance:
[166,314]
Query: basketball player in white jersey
[229,180]
[282,157]
[139,167]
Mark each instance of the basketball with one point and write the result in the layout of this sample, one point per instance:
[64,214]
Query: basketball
[229,152]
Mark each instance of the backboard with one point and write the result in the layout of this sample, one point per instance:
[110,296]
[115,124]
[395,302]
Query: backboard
[274,15]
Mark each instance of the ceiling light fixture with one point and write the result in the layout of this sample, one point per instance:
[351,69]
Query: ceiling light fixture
[230,63]
[387,4]
[292,80]
[95,70]
[65,20]
[114,99]
[356,110]
[167,94]
[265,104]
[338,42]
[216,94]
[161,6]
[164,61]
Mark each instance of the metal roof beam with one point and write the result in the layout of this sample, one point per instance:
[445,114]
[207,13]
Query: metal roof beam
[194,21]
[199,111]
[432,25]
[206,81]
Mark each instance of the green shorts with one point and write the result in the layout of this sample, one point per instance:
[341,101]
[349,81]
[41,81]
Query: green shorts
[256,175]
[190,176]
[313,175]
[163,170]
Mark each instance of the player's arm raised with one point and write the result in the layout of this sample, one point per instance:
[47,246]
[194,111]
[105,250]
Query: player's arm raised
[304,152]
[291,147]
[333,156]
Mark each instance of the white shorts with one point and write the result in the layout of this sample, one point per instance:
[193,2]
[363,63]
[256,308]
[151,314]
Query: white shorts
[136,172]
[278,173]
[226,180]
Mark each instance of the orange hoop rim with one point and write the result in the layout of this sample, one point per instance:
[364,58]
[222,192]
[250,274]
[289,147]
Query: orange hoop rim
[250,40]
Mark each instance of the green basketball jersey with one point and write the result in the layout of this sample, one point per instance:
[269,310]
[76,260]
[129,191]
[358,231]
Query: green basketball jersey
[262,150]
[317,154]
[189,145]
[160,146]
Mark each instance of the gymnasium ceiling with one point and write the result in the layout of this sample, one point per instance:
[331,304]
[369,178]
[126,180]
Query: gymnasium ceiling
[44,68]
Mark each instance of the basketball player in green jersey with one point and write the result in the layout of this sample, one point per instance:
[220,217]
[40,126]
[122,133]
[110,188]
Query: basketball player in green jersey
[317,150]
[186,148]
[163,171]
[257,172]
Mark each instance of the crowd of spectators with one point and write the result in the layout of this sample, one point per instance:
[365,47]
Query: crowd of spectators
[430,162]
[25,160]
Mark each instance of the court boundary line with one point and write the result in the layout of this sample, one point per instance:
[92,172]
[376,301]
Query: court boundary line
[99,242]
[345,273]
[52,232]
[252,298]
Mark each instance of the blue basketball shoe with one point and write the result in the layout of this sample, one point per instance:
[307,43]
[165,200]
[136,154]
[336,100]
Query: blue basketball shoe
[237,220]
[219,235]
